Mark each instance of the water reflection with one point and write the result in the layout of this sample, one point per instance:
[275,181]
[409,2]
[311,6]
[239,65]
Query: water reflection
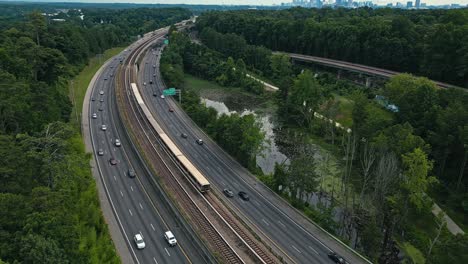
[270,154]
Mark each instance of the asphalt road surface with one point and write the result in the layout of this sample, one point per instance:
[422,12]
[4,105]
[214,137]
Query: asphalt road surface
[300,241]
[138,206]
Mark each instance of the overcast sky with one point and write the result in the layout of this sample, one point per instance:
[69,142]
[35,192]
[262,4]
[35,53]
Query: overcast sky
[244,2]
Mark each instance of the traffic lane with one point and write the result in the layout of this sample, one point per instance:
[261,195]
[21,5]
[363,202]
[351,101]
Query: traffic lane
[287,237]
[124,206]
[142,209]
[153,213]
[295,248]
[105,171]
[127,206]
[141,79]
[253,209]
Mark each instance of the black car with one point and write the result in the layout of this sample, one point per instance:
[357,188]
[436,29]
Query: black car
[244,196]
[228,193]
[155,94]
[183,135]
[113,161]
[92,99]
[336,258]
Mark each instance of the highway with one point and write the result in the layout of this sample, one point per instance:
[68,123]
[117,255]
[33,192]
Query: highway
[137,204]
[354,67]
[299,239]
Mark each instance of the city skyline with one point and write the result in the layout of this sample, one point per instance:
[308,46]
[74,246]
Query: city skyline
[241,2]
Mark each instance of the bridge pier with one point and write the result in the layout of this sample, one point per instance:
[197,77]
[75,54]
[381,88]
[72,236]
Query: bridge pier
[368,81]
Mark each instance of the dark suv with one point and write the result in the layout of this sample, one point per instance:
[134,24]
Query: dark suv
[244,196]
[336,258]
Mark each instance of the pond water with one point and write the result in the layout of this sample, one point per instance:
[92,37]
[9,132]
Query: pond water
[270,154]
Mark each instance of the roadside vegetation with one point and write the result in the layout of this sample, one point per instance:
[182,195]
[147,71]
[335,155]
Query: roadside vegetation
[48,199]
[388,167]
[79,84]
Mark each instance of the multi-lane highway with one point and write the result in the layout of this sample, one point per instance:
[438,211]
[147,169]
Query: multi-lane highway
[299,240]
[138,205]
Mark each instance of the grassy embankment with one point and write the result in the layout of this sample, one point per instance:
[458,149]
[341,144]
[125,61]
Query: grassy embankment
[94,233]
[79,84]
[202,87]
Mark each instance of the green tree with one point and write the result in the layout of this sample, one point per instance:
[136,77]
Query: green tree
[416,179]
[305,98]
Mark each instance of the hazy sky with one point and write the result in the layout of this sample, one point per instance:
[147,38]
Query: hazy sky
[243,2]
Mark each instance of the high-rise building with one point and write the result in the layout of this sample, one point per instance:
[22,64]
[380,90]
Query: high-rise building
[418,3]
[409,4]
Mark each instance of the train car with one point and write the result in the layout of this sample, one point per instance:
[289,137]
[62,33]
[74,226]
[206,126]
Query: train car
[195,176]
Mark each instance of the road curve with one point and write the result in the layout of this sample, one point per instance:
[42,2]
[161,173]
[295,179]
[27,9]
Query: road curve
[300,240]
[136,205]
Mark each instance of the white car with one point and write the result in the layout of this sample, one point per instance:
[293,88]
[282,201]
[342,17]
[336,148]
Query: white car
[170,238]
[144,83]
[101,92]
[162,96]
[94,115]
[117,142]
[139,241]
[103,127]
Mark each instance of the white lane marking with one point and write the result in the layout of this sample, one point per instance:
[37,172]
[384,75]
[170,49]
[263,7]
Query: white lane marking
[115,179]
[296,249]
[314,250]
[208,168]
[265,221]
[121,193]
[115,149]
[155,261]
[141,206]
[167,252]
[102,142]
[152,227]
[130,211]
[223,183]
[257,203]
[236,184]
[131,187]
[281,223]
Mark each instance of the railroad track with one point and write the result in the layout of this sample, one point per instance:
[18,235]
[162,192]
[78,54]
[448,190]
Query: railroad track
[231,221]
[154,149]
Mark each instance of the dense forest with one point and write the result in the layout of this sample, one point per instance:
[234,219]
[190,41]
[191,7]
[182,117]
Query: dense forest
[395,164]
[431,43]
[50,210]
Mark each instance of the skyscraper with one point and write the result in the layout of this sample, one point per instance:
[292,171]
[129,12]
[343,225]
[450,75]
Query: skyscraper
[409,4]
[418,3]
